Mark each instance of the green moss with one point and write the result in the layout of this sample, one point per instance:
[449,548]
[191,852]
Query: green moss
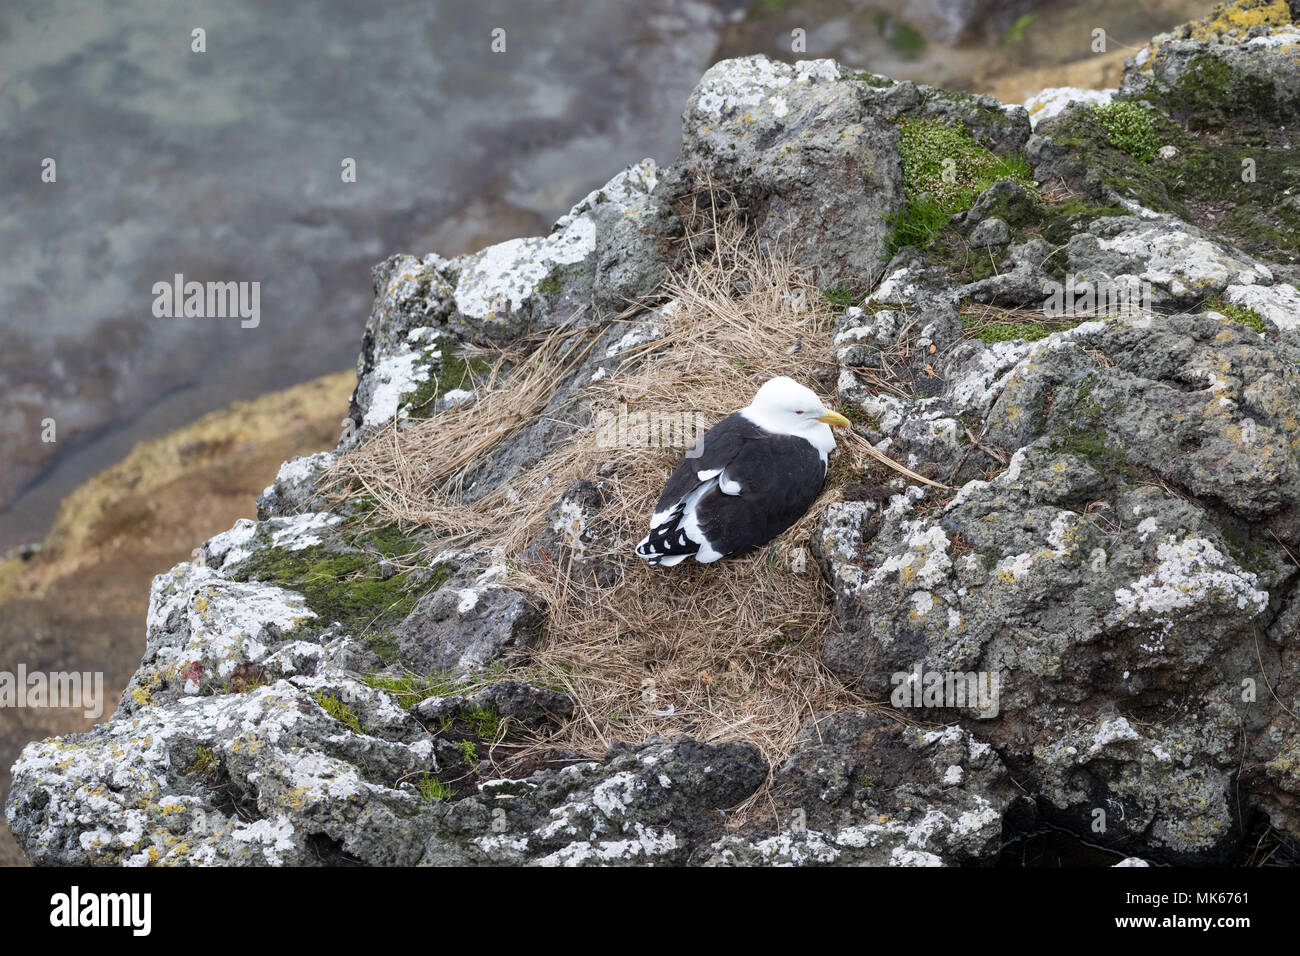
[944,171]
[390,541]
[1062,220]
[1204,177]
[347,588]
[859,417]
[553,284]
[203,761]
[410,689]
[383,644]
[1095,447]
[1247,317]
[1129,127]
[1247,552]
[448,372]
[1011,331]
[431,788]
[944,162]
[340,711]
[1210,95]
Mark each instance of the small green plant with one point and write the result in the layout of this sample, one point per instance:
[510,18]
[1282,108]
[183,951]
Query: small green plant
[840,296]
[410,689]
[340,711]
[1129,128]
[204,760]
[484,722]
[471,752]
[1242,316]
[431,788]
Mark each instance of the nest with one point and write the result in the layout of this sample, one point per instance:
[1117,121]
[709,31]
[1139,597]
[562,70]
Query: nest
[726,651]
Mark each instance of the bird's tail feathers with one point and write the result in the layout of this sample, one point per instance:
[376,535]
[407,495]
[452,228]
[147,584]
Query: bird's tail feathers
[666,542]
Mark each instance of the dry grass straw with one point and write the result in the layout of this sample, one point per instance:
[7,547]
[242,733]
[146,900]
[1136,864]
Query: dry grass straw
[727,651]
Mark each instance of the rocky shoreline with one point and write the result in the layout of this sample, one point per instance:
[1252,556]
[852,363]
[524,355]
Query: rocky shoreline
[1110,532]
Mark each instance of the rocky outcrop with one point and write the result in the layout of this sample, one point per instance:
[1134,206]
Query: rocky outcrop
[1087,619]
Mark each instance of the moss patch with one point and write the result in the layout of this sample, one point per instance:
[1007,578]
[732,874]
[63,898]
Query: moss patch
[204,761]
[447,373]
[1129,127]
[1232,183]
[348,588]
[944,172]
[340,711]
[1008,331]
[1247,317]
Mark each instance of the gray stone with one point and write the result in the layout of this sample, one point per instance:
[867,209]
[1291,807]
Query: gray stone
[808,153]
[990,232]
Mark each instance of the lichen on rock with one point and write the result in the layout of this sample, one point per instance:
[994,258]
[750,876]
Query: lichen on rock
[1101,556]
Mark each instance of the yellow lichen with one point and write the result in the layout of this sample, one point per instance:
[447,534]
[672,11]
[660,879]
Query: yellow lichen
[1240,16]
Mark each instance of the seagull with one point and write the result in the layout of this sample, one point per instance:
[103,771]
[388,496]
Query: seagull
[750,477]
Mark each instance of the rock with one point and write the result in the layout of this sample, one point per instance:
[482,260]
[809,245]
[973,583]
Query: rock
[863,790]
[1083,590]
[1209,79]
[262,778]
[990,232]
[574,537]
[808,153]
[467,624]
[532,706]
[294,487]
[1052,102]
[1102,607]
[652,804]
[1178,263]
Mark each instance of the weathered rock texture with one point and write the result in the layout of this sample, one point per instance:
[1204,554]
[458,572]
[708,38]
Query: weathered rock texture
[1111,579]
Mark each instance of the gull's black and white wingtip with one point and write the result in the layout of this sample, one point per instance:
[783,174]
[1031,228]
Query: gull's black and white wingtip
[752,476]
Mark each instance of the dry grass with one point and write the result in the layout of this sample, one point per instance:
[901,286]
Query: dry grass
[728,651]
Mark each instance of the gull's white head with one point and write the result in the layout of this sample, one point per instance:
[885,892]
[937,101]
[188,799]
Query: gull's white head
[784,406]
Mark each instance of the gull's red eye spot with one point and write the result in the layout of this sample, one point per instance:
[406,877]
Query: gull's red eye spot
[798,413]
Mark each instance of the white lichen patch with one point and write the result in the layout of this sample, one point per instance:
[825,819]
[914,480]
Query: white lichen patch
[1192,572]
[1054,100]
[925,562]
[1280,303]
[200,624]
[734,88]
[396,374]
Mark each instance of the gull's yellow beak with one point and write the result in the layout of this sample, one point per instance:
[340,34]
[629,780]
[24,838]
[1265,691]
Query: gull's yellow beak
[834,419]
